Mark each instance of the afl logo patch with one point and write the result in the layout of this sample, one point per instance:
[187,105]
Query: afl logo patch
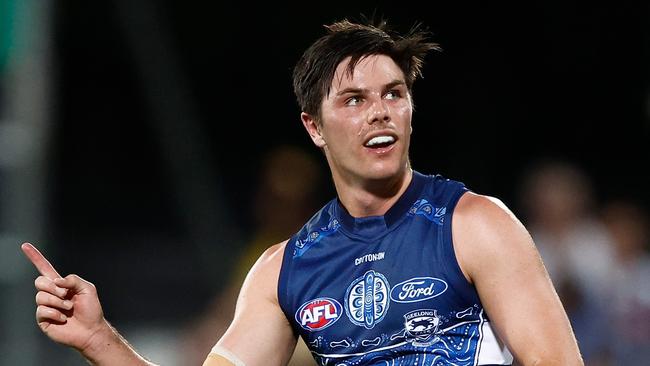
[318,314]
[367,299]
[418,289]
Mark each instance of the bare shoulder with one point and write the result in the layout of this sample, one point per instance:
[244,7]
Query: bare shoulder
[476,209]
[272,256]
[263,276]
[486,231]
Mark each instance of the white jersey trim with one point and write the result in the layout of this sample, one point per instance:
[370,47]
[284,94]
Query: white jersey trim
[491,350]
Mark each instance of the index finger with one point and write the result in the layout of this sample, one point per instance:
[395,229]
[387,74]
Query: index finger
[41,263]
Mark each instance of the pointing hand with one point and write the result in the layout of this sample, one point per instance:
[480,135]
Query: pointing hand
[68,309]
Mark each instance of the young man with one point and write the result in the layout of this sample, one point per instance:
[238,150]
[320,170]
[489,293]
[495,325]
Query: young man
[401,268]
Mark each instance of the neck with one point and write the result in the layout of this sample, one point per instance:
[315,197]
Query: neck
[372,197]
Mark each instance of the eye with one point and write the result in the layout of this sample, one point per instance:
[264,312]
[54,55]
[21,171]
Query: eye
[393,94]
[354,100]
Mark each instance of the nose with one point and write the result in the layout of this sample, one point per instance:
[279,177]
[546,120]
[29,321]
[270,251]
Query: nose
[379,112]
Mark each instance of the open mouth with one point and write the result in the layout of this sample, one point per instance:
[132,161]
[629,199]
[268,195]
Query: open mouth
[379,142]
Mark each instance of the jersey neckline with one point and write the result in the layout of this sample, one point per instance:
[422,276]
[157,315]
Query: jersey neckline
[373,226]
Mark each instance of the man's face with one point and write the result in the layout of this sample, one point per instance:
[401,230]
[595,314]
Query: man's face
[365,121]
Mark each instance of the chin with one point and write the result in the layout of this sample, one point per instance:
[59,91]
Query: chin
[385,171]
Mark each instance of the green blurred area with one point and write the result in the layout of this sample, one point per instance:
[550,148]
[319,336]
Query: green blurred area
[7,18]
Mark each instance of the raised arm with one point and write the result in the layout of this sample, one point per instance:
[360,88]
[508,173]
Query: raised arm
[497,254]
[68,311]
[260,334]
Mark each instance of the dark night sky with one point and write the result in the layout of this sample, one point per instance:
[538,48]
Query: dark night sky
[512,85]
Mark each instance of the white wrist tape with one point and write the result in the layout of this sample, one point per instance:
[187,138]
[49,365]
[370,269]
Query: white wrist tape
[218,350]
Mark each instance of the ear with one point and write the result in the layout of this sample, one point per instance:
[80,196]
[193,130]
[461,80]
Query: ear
[313,129]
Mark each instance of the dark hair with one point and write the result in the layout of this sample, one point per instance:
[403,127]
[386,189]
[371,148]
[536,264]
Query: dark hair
[313,74]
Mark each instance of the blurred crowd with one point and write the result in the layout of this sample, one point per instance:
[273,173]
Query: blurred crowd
[596,253]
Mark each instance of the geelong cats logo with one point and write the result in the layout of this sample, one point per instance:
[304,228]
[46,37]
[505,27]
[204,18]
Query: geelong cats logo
[421,327]
[367,299]
[318,314]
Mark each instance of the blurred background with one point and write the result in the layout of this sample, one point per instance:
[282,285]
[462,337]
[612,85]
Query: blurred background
[155,148]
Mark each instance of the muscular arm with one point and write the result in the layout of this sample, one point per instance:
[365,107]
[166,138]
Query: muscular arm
[260,333]
[498,256]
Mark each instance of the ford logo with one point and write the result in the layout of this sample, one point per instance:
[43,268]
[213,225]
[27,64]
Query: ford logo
[418,289]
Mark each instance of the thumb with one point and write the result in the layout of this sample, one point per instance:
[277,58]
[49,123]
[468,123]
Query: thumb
[75,283]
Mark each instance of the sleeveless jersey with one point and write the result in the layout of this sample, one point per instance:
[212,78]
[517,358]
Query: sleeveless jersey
[387,290]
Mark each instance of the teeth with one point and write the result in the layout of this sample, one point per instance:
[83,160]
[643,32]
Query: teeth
[380,140]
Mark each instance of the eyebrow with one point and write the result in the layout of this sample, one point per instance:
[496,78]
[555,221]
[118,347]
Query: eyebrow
[390,85]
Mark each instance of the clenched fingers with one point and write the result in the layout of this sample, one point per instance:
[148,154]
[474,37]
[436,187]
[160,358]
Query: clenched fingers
[48,314]
[45,284]
[49,300]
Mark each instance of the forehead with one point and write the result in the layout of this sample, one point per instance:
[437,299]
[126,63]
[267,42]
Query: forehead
[372,70]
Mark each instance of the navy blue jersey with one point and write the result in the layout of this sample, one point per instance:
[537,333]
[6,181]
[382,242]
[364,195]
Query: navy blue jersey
[387,290]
